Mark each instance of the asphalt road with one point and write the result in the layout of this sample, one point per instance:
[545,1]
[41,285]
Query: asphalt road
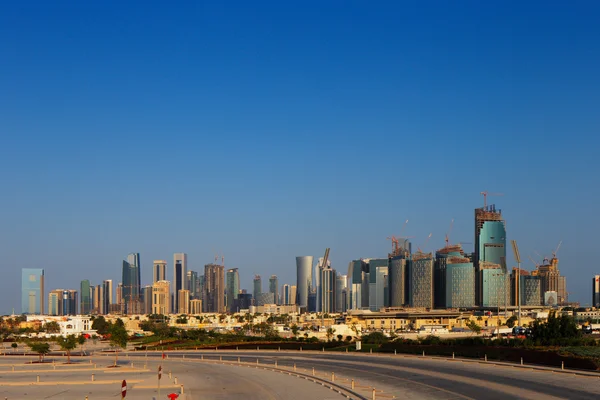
[426,378]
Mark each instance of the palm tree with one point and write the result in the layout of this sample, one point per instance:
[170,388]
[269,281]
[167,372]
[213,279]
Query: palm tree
[330,332]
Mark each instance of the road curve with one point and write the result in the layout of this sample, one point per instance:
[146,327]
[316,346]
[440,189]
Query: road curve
[424,378]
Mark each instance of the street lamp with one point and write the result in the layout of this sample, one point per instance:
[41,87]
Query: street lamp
[518,281]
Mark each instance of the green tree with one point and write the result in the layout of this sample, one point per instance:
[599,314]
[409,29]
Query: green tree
[295,330]
[52,327]
[67,344]
[118,338]
[14,345]
[375,338]
[472,325]
[330,332]
[100,325]
[511,321]
[41,348]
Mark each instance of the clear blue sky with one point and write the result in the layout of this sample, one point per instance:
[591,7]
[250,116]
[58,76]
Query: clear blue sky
[267,130]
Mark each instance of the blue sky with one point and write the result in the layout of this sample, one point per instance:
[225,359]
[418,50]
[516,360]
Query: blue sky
[267,130]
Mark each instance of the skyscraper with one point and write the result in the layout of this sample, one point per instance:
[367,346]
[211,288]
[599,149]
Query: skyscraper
[328,286]
[86,301]
[341,284]
[257,286]
[192,284]
[32,291]
[179,277]
[107,295]
[232,289]
[378,283]
[214,288]
[490,253]
[131,292]
[159,271]
[147,295]
[184,301]
[53,302]
[398,273]
[454,279]
[69,302]
[420,293]
[303,278]
[274,287]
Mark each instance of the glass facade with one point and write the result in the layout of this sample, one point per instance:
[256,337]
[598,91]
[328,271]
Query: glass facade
[303,279]
[460,284]
[32,291]
[274,287]
[420,291]
[257,287]
[86,301]
[531,290]
[131,295]
[232,289]
[179,277]
[494,284]
[596,291]
[328,283]
[378,283]
[490,248]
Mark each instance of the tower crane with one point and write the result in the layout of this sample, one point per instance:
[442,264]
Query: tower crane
[556,251]
[447,239]
[485,194]
[425,244]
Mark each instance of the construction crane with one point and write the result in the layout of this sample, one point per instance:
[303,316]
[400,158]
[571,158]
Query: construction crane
[533,261]
[325,258]
[556,251]
[486,194]
[425,244]
[447,239]
[394,243]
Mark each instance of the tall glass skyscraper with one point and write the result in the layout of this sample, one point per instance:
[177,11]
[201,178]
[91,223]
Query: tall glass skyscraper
[274,288]
[131,295]
[596,291]
[454,279]
[257,286]
[179,277]
[232,289]
[303,278]
[490,248]
[32,291]
[86,300]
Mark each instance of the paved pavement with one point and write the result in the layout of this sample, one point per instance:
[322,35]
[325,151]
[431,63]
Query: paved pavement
[430,378]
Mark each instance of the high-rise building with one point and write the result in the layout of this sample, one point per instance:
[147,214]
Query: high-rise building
[551,280]
[159,271]
[86,302]
[420,292]
[454,278]
[244,301]
[147,296]
[184,301]
[196,306]
[131,291]
[192,284]
[232,289]
[214,288]
[328,286]
[69,302]
[107,296]
[318,286]
[161,298]
[257,286]
[32,291]
[179,276]
[341,284]
[378,292]
[274,288]
[596,291]
[398,272]
[490,250]
[303,279]
[99,300]
[54,298]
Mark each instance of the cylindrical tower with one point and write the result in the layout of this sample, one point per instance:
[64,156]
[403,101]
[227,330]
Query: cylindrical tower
[304,279]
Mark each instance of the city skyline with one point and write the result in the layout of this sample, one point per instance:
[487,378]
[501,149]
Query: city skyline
[236,117]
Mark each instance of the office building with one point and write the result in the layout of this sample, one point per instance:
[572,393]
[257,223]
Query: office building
[179,277]
[454,279]
[494,285]
[107,296]
[68,303]
[232,289]
[161,298]
[531,290]
[264,298]
[551,280]
[119,295]
[32,291]
[214,288]
[596,291]
[244,301]
[193,284]
[53,302]
[490,249]
[131,289]
[357,274]
[378,283]
[318,286]
[159,271]
[286,295]
[257,284]
[86,299]
[341,284]
[421,271]
[183,301]
[147,298]
[303,279]
[274,288]
[398,272]
[328,286]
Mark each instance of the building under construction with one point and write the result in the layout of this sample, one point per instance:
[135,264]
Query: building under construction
[420,283]
[490,253]
[551,280]
[454,278]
